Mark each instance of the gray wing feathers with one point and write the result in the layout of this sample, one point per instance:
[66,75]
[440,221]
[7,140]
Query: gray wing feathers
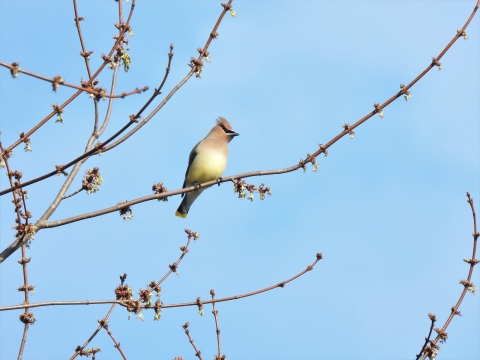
[192,156]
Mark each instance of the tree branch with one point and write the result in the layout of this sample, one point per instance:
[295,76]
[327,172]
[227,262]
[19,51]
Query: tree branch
[74,96]
[58,81]
[80,37]
[431,350]
[310,267]
[198,353]
[133,119]
[217,329]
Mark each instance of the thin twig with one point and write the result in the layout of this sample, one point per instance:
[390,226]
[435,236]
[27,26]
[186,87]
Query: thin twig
[120,12]
[427,339]
[24,260]
[110,105]
[146,119]
[165,306]
[97,115]
[158,90]
[94,151]
[61,303]
[198,353]
[467,286]
[117,344]
[174,90]
[141,124]
[282,284]
[79,349]
[174,266]
[132,118]
[145,294]
[74,96]
[23,342]
[73,194]
[80,36]
[60,82]
[26,291]
[215,315]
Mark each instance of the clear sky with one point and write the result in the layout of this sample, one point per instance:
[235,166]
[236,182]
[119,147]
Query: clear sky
[388,209]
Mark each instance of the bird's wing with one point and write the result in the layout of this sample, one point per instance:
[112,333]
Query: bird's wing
[192,156]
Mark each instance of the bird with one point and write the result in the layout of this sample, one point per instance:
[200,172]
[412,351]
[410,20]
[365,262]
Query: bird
[207,161]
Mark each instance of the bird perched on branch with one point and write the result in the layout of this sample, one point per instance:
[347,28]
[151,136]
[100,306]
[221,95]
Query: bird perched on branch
[207,162]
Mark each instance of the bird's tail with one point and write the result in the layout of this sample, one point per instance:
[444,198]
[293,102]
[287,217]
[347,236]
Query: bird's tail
[182,210]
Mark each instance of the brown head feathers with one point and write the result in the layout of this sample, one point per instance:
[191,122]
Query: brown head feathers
[224,124]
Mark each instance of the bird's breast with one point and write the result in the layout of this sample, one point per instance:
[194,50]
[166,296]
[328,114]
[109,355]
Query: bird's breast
[207,166]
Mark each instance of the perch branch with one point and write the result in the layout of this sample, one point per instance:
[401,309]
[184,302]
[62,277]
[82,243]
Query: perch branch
[133,119]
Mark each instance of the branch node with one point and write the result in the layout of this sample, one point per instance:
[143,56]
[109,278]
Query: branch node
[200,306]
[435,62]
[14,69]
[378,110]
[133,118]
[24,260]
[405,92]
[125,210]
[60,170]
[158,189]
[463,34]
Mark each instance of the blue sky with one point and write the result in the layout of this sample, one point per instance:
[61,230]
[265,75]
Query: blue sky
[387,210]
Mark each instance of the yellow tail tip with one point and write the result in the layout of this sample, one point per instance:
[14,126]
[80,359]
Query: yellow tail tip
[179,214]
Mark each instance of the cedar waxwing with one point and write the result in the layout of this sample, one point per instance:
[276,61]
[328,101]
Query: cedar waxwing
[207,162]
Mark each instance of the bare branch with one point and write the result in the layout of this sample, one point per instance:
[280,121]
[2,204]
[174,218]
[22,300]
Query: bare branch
[117,344]
[198,353]
[73,194]
[102,323]
[158,90]
[310,267]
[109,107]
[74,96]
[133,119]
[195,68]
[427,339]
[84,52]
[347,131]
[23,342]
[184,249]
[58,81]
[431,350]
[236,297]
[215,315]
[19,201]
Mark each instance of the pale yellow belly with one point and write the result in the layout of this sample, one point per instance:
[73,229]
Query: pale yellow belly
[206,167]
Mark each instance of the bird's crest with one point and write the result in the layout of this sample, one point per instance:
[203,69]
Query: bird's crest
[224,123]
